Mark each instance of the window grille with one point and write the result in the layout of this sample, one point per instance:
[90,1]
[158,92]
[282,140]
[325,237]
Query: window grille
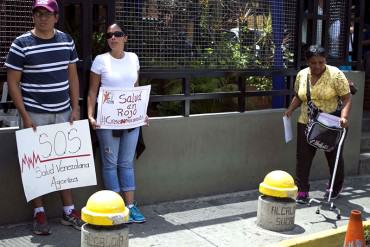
[203,34]
[331,21]
[337,28]
[15,19]
[200,34]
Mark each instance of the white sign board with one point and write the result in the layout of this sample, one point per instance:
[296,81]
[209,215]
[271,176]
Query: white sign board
[55,157]
[122,108]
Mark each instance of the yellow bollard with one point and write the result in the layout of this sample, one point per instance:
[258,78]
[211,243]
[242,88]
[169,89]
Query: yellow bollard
[105,214]
[276,207]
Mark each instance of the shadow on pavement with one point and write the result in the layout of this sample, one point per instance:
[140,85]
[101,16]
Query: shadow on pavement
[207,218]
[355,195]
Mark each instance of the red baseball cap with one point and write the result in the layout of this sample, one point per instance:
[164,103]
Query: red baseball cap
[50,5]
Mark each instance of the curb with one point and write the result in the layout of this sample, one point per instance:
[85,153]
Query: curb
[328,238]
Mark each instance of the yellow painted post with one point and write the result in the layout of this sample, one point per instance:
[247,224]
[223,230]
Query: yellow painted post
[105,214]
[276,205]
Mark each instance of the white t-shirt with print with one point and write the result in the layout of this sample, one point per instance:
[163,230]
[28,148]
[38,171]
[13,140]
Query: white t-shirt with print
[122,73]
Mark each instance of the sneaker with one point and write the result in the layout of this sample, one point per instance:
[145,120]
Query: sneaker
[40,224]
[302,197]
[73,219]
[334,194]
[135,215]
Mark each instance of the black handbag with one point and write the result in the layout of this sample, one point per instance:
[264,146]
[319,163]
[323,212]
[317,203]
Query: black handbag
[318,133]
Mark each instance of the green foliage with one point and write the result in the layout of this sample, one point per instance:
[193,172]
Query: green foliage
[224,37]
[209,84]
[213,106]
[259,83]
[98,43]
[164,87]
[367,234]
[168,108]
[213,84]
[240,46]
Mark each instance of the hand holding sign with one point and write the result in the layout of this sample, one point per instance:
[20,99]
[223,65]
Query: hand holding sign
[122,108]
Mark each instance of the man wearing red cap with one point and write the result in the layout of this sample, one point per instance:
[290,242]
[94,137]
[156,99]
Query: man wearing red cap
[43,83]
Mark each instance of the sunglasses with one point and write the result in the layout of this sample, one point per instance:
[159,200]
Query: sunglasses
[117,34]
[315,49]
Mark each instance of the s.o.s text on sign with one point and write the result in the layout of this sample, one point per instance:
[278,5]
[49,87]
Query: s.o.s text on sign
[55,157]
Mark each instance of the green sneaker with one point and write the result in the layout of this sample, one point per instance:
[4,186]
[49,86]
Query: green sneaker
[135,215]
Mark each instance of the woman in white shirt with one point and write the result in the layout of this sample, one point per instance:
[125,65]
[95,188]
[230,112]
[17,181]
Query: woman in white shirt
[120,69]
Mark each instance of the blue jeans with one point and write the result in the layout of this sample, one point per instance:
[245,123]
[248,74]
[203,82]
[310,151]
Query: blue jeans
[117,155]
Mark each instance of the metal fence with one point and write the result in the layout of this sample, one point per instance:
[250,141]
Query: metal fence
[229,34]
[15,18]
[216,53]
[213,34]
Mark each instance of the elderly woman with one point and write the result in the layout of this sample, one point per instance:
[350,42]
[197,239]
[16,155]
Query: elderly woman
[329,87]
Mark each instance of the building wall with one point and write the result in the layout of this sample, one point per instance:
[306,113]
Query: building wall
[367,95]
[193,156]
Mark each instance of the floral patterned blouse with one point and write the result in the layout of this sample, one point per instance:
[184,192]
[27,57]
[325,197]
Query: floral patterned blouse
[324,94]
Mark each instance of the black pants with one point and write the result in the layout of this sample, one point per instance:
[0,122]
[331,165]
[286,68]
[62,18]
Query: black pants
[305,155]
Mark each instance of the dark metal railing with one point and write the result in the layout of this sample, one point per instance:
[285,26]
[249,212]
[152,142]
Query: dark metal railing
[186,97]
[241,94]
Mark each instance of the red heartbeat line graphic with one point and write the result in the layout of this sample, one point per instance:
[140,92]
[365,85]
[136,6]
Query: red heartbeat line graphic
[35,158]
[30,161]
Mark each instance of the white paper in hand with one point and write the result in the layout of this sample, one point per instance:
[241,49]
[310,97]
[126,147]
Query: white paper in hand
[288,129]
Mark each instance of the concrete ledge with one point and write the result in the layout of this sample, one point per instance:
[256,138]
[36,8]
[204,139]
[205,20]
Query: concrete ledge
[188,157]
[364,164]
[329,238]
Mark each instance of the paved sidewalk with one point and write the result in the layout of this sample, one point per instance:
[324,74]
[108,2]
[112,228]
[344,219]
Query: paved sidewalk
[224,220]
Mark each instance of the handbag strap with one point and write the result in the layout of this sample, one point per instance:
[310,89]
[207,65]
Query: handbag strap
[312,110]
[308,93]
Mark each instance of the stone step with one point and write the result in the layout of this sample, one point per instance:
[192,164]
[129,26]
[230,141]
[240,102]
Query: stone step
[365,141]
[364,166]
[366,121]
[366,124]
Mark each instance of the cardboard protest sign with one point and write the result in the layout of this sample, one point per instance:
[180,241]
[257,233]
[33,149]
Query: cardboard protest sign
[55,157]
[122,108]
